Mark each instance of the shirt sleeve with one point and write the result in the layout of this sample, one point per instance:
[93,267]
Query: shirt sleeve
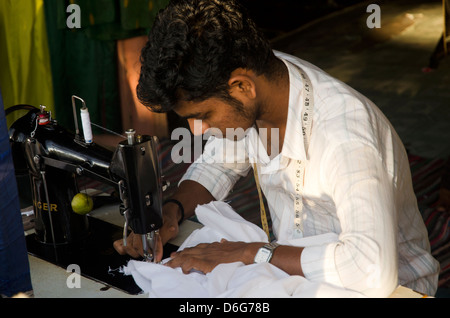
[365,257]
[219,167]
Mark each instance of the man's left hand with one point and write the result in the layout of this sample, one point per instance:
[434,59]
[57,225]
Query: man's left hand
[206,256]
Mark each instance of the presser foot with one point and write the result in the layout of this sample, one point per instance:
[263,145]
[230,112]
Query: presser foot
[149,244]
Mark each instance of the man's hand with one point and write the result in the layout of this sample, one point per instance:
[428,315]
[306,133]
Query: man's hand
[133,247]
[206,256]
[168,231]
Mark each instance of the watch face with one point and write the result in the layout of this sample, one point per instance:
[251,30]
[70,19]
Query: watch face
[263,255]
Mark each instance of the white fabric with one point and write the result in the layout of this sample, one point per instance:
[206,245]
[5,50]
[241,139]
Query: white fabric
[235,279]
[357,185]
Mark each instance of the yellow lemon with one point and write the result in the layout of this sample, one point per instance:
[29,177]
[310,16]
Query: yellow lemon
[82,203]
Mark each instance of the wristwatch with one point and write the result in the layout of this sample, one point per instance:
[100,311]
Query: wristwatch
[265,253]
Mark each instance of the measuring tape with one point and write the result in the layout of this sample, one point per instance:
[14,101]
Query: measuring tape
[307,114]
[306,119]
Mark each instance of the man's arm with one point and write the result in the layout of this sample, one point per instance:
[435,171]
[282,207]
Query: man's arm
[365,258]
[363,192]
[189,194]
[205,257]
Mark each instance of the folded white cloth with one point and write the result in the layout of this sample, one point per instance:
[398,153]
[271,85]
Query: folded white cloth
[233,279]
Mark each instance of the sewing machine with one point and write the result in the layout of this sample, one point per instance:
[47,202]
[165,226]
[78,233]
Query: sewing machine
[55,159]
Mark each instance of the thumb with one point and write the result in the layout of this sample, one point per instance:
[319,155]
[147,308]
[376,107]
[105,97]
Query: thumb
[158,252]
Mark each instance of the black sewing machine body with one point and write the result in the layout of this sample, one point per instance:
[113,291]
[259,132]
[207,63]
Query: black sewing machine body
[54,159]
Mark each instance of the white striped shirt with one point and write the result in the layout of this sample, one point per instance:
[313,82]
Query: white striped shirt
[357,185]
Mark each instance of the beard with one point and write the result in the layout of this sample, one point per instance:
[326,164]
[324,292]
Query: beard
[246,116]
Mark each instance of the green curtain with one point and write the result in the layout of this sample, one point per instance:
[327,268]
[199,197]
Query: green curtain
[25,73]
[84,60]
[113,19]
[42,61]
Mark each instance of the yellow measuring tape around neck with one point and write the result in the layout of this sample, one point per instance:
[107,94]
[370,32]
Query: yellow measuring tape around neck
[265,224]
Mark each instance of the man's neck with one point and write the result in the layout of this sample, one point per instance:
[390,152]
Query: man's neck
[274,107]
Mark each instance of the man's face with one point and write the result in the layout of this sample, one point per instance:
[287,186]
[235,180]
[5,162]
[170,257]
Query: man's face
[216,113]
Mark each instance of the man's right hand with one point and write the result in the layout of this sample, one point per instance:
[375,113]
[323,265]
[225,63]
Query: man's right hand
[168,231]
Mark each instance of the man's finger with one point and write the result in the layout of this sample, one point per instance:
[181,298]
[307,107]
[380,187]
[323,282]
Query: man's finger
[158,252]
[130,249]
[118,246]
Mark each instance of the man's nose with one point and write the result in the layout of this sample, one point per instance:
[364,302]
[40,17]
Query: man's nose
[198,127]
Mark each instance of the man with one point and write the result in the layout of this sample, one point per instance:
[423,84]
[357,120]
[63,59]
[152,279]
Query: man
[206,60]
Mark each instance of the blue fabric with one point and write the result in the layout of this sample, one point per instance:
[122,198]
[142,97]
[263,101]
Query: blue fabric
[14,266]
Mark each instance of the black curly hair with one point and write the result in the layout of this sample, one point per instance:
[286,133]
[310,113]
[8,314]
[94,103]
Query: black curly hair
[193,47]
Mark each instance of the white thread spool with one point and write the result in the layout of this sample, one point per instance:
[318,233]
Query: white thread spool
[86,122]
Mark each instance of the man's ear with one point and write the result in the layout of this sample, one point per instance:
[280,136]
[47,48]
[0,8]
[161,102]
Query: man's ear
[242,84]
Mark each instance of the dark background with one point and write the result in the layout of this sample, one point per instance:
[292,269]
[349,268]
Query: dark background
[279,17]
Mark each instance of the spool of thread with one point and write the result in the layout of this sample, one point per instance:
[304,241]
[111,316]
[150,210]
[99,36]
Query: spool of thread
[43,119]
[86,123]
